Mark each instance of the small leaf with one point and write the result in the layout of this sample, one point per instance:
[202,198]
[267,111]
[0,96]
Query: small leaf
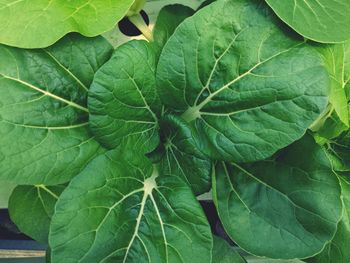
[246,85]
[169,18]
[338,250]
[44,137]
[123,102]
[41,23]
[31,208]
[121,210]
[224,253]
[337,59]
[339,153]
[283,209]
[325,21]
[331,128]
[181,157]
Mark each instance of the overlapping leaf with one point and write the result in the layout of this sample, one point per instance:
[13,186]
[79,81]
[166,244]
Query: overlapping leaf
[31,209]
[338,250]
[181,157]
[287,208]
[224,253]
[336,119]
[168,20]
[127,212]
[247,86]
[43,115]
[325,21]
[40,23]
[339,153]
[123,102]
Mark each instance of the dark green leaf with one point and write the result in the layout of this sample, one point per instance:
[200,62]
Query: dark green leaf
[339,153]
[31,209]
[120,210]
[181,157]
[123,102]
[43,115]
[41,23]
[325,21]
[245,84]
[284,209]
[331,128]
[168,20]
[339,249]
[224,253]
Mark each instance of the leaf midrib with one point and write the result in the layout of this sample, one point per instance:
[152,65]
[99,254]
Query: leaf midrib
[193,112]
[46,93]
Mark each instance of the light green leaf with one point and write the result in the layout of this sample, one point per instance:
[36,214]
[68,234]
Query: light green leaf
[168,19]
[224,253]
[339,249]
[245,84]
[43,115]
[325,21]
[123,102]
[31,208]
[337,59]
[121,210]
[181,157]
[283,209]
[40,23]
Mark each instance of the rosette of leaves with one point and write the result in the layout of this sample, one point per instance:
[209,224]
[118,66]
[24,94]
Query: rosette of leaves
[221,99]
[220,92]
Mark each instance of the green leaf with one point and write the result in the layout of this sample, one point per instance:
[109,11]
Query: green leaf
[339,249]
[123,102]
[205,3]
[246,85]
[284,209]
[224,253]
[325,21]
[31,208]
[337,59]
[339,153]
[43,116]
[331,128]
[169,18]
[181,157]
[41,23]
[121,210]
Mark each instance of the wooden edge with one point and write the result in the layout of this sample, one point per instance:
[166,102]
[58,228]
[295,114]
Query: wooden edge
[21,253]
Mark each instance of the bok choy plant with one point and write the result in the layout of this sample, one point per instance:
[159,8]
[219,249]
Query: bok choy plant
[111,147]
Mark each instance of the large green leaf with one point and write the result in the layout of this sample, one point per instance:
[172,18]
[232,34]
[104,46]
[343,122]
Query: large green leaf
[284,209]
[43,116]
[31,209]
[224,253]
[324,21]
[40,23]
[339,249]
[181,157]
[123,102]
[246,85]
[121,210]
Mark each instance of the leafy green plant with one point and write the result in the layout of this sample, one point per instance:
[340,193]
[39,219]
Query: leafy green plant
[111,148]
